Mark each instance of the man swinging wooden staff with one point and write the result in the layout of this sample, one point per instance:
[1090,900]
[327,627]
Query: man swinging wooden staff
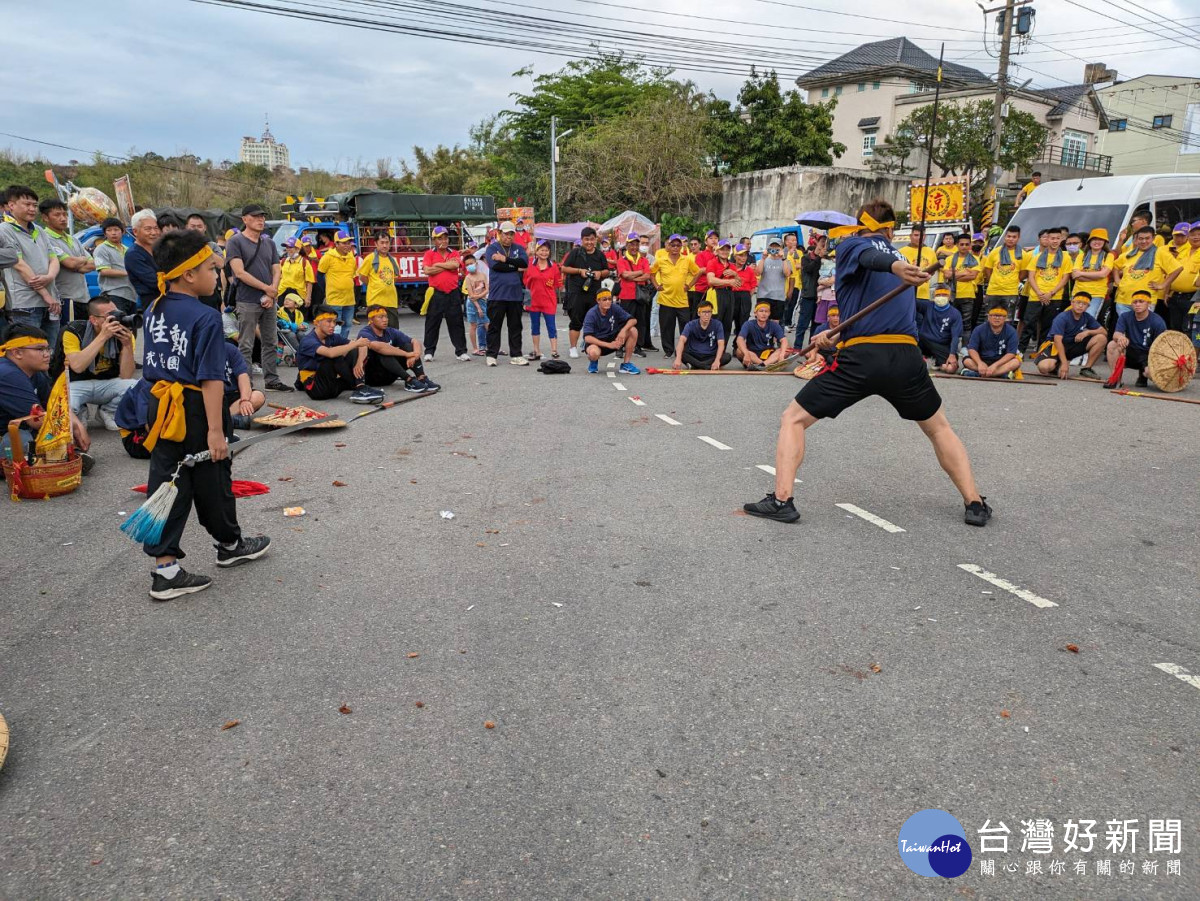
[877,355]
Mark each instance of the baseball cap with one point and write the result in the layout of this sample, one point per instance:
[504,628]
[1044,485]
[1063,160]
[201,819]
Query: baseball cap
[229,234]
[740,248]
[676,238]
[711,231]
[440,230]
[507,227]
[290,242]
[774,242]
[724,242]
[343,236]
[632,236]
[254,209]
[1181,228]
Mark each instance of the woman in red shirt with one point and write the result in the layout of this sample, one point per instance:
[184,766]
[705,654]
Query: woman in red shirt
[543,279]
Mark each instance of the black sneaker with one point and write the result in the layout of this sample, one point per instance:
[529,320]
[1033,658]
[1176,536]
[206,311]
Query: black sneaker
[276,385]
[88,462]
[163,589]
[771,507]
[639,352]
[414,386]
[1142,381]
[247,549]
[978,513]
[430,384]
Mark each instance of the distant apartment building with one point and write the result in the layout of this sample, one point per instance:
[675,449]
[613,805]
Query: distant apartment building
[266,151]
[878,85]
[1153,124]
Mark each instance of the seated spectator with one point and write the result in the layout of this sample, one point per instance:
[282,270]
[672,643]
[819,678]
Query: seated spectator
[392,355]
[1073,333]
[608,328]
[702,341]
[329,364]
[992,348]
[132,413]
[833,318]
[939,329]
[1135,332]
[98,351]
[240,396]
[761,341]
[25,384]
[292,326]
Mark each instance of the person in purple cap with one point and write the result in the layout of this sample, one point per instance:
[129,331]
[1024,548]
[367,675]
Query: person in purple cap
[1185,250]
[674,274]
[633,273]
[442,265]
[506,261]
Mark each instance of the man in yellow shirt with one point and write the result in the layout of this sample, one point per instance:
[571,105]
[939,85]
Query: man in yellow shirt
[1047,273]
[1138,220]
[1093,270]
[673,274]
[339,266]
[1144,268]
[379,272]
[1034,181]
[960,270]
[916,253]
[1187,283]
[296,273]
[1003,272]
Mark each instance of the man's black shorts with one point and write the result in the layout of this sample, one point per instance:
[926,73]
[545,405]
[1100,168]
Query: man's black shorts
[1135,357]
[776,308]
[1077,349]
[577,308]
[895,372]
[939,352]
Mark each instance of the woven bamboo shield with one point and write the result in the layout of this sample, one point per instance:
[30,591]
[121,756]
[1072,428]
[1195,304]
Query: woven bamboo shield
[1172,361]
[3,739]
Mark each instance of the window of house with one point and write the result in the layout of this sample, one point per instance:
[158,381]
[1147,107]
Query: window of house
[1162,121]
[1074,148]
[1191,130]
[1117,124]
[862,86]
[824,92]
[874,86]
[868,141]
[837,92]
[917,87]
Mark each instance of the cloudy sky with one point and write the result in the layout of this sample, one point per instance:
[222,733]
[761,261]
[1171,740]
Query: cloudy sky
[182,76]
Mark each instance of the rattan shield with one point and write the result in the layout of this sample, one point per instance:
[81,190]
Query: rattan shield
[1172,361]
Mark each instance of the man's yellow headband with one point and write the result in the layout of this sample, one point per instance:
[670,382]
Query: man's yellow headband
[761,306]
[190,263]
[18,343]
[866,222]
[321,316]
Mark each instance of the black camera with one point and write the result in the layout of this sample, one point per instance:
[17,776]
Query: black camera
[131,321]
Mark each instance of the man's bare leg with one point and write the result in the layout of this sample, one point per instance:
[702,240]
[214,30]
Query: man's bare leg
[789,449]
[951,454]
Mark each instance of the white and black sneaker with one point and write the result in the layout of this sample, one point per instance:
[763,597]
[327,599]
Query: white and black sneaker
[163,589]
[247,549]
[366,395]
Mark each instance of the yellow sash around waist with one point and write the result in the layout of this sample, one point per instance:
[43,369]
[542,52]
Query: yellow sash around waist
[170,422]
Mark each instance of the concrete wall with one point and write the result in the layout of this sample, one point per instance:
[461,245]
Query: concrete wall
[1140,149]
[773,197]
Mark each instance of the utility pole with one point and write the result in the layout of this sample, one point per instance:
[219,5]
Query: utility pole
[990,210]
[555,137]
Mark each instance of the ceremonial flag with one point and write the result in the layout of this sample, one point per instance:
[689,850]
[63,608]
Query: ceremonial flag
[54,437]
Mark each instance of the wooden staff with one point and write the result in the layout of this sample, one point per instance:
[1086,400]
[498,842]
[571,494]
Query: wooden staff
[1125,392]
[653,371]
[972,378]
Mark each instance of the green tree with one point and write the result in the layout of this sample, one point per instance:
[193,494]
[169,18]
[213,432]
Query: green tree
[446,170]
[768,128]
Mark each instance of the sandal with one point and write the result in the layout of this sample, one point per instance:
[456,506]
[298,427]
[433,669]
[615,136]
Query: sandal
[554,354]
[532,356]
[480,352]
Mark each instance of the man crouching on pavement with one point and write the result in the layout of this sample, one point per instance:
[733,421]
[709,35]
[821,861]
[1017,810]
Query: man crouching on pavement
[606,329]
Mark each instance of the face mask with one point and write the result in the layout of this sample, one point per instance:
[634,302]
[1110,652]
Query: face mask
[1072,247]
[941,300]
[644,248]
[471,267]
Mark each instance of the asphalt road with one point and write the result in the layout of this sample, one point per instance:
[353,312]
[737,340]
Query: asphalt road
[687,703]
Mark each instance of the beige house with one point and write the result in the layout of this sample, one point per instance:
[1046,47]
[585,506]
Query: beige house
[1153,125]
[878,85]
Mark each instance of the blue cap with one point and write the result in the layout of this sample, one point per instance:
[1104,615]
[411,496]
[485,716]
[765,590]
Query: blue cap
[676,238]
[440,230]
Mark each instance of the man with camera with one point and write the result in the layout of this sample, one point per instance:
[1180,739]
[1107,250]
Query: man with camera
[99,353]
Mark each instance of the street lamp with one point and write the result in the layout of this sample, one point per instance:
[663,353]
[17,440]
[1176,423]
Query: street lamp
[555,137]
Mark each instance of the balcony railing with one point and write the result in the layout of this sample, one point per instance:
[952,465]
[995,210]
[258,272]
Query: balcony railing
[1074,158]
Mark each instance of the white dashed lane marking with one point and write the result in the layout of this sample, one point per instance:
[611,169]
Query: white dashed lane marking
[1022,593]
[770,470]
[714,442]
[1174,669]
[667,419]
[612,365]
[638,401]
[618,386]
[871,518]
[611,374]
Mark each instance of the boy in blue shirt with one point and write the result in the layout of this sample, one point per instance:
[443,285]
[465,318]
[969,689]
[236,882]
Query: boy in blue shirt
[242,398]
[939,329]
[392,355]
[608,328]
[702,341]
[1135,332]
[761,341]
[184,362]
[992,347]
[328,364]
[1073,333]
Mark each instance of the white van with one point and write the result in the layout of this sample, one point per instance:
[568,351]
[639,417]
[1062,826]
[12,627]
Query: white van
[1088,203]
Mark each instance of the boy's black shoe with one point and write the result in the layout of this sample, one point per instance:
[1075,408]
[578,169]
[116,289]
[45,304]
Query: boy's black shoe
[978,513]
[247,549]
[276,385]
[770,507]
[1142,381]
[163,589]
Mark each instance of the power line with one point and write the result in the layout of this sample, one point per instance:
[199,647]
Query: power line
[1142,28]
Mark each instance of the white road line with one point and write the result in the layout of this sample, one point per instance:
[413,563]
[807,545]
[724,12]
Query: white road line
[871,518]
[618,386]
[638,401]
[611,374]
[1022,593]
[714,442]
[1174,669]
[667,419]
[612,365]
[770,470]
